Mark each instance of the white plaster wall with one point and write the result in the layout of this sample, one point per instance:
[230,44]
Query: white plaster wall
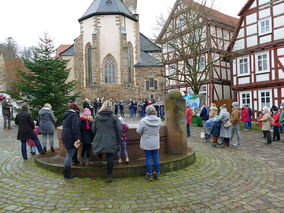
[241,33]
[224,75]
[278,9]
[273,74]
[261,2]
[219,91]
[279,21]
[88,28]
[255,105]
[265,39]
[264,13]
[281,60]
[282,92]
[279,34]
[251,41]
[244,80]
[110,41]
[131,36]
[281,74]
[272,59]
[254,94]
[280,51]
[234,67]
[252,78]
[252,29]
[227,92]
[253,5]
[252,63]
[263,77]
[251,18]
[276,93]
[235,81]
[276,102]
[239,44]
[70,65]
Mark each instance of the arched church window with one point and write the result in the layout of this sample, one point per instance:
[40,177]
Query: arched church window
[130,63]
[110,70]
[90,65]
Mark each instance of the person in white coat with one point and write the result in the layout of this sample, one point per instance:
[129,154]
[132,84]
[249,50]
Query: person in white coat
[149,128]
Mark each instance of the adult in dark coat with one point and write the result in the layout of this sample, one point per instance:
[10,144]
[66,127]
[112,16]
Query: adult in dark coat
[6,112]
[107,135]
[70,135]
[26,130]
[96,106]
[46,125]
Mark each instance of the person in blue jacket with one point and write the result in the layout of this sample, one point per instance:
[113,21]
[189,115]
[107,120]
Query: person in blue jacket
[204,115]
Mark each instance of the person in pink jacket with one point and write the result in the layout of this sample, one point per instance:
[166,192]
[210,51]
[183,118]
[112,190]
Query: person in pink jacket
[276,133]
[245,117]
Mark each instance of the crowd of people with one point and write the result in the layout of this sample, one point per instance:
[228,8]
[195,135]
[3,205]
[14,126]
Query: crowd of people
[136,108]
[105,134]
[225,126]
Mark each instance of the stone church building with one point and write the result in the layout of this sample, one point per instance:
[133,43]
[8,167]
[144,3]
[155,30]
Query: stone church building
[111,58]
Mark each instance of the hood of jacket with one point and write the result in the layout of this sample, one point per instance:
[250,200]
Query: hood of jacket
[104,115]
[68,113]
[152,120]
[44,110]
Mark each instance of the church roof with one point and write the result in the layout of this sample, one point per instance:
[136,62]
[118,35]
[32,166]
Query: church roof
[107,7]
[68,52]
[147,60]
[147,45]
[62,48]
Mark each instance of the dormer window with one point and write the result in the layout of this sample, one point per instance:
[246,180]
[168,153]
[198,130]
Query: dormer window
[264,26]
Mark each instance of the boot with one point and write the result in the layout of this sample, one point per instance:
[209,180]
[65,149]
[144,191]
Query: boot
[157,176]
[67,173]
[44,149]
[82,161]
[109,179]
[100,163]
[88,162]
[52,149]
[127,160]
[149,177]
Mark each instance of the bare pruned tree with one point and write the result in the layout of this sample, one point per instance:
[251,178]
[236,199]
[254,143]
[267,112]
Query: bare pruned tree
[188,42]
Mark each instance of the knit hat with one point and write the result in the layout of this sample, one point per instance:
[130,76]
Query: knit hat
[235,104]
[87,111]
[121,120]
[282,104]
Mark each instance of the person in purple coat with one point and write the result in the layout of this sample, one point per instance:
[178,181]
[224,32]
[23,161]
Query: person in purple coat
[122,145]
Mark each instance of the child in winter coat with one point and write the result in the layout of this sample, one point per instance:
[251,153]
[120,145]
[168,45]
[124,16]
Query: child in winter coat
[86,136]
[31,143]
[122,145]
[215,131]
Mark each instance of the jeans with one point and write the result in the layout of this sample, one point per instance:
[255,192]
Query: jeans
[188,129]
[205,130]
[131,112]
[276,134]
[68,159]
[109,162]
[155,155]
[122,147]
[24,147]
[236,129]
[268,136]
[44,139]
[86,148]
[7,121]
[33,149]
[249,123]
[162,114]
[246,125]
[122,112]
[95,110]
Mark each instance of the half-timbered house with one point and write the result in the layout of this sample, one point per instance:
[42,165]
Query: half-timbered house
[258,55]
[220,28]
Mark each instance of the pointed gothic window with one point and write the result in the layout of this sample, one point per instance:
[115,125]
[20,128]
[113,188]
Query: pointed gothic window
[130,63]
[90,65]
[110,70]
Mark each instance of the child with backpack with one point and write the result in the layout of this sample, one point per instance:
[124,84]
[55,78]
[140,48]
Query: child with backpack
[122,145]
[31,143]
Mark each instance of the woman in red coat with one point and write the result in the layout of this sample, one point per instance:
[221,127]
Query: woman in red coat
[245,117]
[276,133]
[189,119]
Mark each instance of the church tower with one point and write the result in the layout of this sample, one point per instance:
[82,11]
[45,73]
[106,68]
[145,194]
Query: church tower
[131,5]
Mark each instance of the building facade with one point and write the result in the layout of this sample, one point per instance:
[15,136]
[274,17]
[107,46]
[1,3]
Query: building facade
[258,55]
[220,29]
[111,58]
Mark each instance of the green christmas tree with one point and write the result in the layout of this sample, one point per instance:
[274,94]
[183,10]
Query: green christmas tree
[46,81]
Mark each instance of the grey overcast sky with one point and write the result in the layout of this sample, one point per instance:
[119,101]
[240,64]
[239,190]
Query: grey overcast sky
[27,20]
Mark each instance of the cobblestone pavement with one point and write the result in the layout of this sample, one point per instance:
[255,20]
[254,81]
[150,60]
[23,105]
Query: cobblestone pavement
[249,178]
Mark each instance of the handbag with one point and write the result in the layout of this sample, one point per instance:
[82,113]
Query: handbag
[227,124]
